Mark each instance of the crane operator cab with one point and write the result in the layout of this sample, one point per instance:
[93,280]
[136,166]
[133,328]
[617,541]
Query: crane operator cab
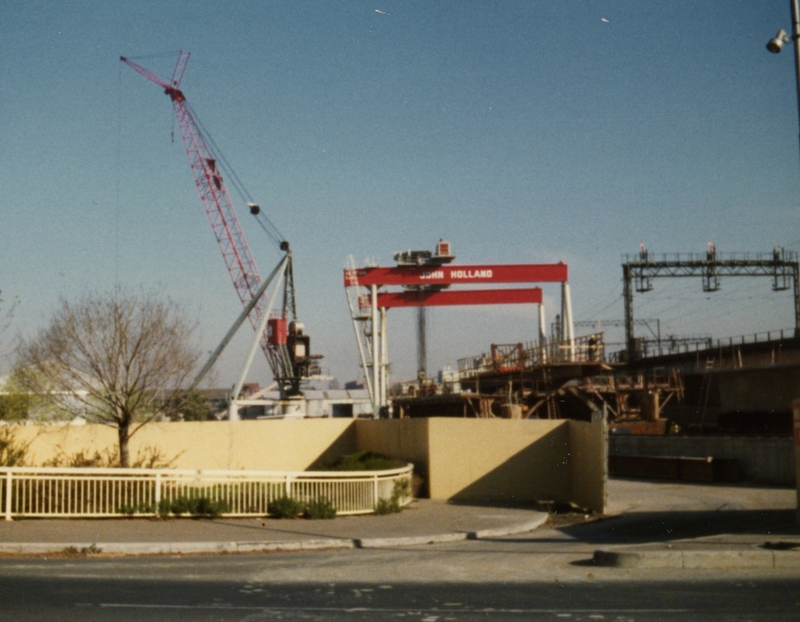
[299,346]
[291,338]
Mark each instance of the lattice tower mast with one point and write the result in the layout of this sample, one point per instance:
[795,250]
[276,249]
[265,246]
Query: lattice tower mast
[220,212]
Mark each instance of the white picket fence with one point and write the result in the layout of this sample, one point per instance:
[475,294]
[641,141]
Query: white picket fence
[49,492]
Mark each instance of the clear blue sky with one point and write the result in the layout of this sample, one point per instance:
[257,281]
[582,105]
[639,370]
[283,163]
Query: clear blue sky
[520,131]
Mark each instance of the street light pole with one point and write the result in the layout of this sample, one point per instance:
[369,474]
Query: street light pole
[796,40]
[776,44]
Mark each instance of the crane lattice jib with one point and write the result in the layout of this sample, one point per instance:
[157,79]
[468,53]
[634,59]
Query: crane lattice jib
[217,203]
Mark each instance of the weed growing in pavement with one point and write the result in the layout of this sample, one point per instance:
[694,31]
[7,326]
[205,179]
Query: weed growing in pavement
[86,551]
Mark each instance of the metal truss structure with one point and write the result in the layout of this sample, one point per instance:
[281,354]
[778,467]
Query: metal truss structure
[425,285]
[637,274]
[206,164]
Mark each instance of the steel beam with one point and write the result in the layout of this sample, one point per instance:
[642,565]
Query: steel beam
[453,275]
[461,297]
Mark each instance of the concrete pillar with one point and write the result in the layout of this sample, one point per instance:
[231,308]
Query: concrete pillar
[796,434]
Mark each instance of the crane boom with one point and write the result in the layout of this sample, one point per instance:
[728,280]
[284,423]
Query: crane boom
[225,225]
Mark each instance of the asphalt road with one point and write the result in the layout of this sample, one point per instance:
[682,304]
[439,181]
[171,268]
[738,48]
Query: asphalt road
[461,582]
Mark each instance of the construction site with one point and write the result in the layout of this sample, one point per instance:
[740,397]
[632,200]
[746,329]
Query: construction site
[653,386]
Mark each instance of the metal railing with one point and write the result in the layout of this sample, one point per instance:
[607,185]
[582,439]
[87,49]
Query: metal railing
[706,345]
[50,492]
[517,357]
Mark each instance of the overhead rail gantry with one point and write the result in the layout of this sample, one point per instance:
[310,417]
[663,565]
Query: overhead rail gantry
[780,264]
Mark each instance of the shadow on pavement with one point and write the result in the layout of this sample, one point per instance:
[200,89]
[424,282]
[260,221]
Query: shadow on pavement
[655,527]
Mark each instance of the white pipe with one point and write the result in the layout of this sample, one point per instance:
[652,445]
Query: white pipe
[261,327]
[375,352]
[384,360]
[353,313]
[568,321]
[541,325]
[542,338]
[239,321]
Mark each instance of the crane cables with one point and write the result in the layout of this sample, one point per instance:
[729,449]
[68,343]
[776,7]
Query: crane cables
[266,224]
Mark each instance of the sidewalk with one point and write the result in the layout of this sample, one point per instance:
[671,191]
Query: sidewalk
[648,524]
[653,524]
[424,522]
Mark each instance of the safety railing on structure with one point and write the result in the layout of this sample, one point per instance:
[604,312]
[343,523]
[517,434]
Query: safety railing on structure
[97,493]
[724,348]
[518,357]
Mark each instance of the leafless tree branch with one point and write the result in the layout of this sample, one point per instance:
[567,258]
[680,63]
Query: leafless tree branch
[116,359]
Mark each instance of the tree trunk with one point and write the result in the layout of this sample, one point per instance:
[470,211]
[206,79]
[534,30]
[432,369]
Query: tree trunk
[124,456]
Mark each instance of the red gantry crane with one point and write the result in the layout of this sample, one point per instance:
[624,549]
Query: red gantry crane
[283,341]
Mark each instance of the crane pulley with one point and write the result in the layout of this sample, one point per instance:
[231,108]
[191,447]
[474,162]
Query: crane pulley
[284,342]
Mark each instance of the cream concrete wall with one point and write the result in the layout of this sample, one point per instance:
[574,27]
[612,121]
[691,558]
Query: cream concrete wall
[588,461]
[281,445]
[404,439]
[500,460]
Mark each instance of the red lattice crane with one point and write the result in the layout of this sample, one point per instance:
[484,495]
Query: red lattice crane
[285,345]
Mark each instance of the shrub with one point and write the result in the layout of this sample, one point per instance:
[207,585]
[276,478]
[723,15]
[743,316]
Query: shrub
[12,451]
[199,507]
[320,508]
[206,508]
[181,505]
[387,506]
[285,507]
[148,457]
[366,461]
[392,504]
[164,507]
[131,510]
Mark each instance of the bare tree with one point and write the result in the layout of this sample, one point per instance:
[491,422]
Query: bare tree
[6,317]
[118,359]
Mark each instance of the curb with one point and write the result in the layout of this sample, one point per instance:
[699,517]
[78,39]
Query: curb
[168,548]
[379,543]
[197,548]
[726,558]
[508,531]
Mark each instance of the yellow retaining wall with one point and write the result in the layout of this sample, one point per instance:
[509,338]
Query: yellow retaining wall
[404,439]
[589,463]
[279,445]
[500,460]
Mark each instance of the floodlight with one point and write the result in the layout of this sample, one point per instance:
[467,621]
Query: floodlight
[775,44]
